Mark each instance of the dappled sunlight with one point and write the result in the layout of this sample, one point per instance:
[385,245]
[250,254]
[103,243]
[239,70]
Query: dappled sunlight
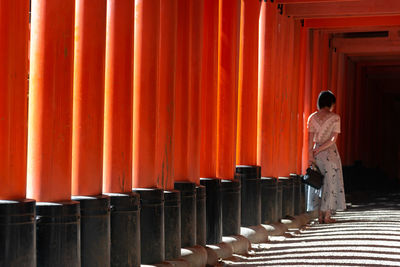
[364,235]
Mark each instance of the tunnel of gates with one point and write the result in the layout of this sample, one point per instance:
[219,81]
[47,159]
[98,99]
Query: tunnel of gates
[148,105]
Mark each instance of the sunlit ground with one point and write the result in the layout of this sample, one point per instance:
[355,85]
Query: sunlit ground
[364,235]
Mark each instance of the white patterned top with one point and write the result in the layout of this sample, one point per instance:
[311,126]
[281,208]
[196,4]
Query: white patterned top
[323,128]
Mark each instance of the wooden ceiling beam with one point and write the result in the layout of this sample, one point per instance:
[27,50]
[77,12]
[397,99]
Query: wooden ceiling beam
[311,1]
[343,9]
[362,45]
[326,23]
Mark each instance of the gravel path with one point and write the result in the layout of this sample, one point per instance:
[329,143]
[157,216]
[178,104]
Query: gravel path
[364,235]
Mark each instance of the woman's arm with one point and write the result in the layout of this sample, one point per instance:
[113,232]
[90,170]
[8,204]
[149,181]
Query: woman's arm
[327,144]
[311,158]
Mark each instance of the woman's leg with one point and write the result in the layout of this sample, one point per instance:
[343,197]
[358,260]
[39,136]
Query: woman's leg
[327,217]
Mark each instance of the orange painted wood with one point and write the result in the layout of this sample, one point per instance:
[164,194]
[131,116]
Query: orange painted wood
[296,128]
[165,94]
[302,127]
[284,94]
[312,1]
[325,64]
[88,96]
[316,69]
[187,92]
[209,90]
[327,23]
[181,108]
[355,8]
[334,72]
[339,96]
[195,61]
[266,122]
[147,23]
[50,100]
[246,144]
[228,43]
[14,35]
[276,84]
[118,101]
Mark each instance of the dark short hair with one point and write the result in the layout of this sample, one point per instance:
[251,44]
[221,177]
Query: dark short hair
[326,99]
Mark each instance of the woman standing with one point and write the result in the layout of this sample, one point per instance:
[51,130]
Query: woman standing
[323,129]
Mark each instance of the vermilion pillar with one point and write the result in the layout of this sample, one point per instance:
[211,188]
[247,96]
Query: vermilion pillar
[301,128]
[265,137]
[50,132]
[14,33]
[117,158]
[88,109]
[147,23]
[209,86]
[50,100]
[87,134]
[228,44]
[187,92]
[325,64]
[246,153]
[17,231]
[166,94]
[316,70]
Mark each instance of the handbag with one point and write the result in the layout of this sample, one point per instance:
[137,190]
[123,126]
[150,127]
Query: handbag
[313,177]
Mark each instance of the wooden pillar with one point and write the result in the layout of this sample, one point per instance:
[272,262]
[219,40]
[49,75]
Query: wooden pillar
[209,86]
[325,61]
[295,130]
[166,93]
[195,57]
[187,92]
[88,96]
[280,71]
[228,44]
[266,122]
[50,100]
[117,158]
[147,23]
[307,96]
[246,153]
[340,98]
[334,71]
[316,70]
[14,32]
[301,127]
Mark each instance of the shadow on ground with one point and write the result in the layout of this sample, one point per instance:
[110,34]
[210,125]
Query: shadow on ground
[367,234]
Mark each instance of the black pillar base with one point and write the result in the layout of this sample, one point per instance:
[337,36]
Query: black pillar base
[172,223]
[213,210]
[296,193]
[95,230]
[287,197]
[125,229]
[201,215]
[303,207]
[17,232]
[152,235]
[269,197]
[279,202]
[188,212]
[250,177]
[230,191]
[58,234]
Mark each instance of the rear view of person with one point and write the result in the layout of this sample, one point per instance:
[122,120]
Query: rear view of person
[323,128]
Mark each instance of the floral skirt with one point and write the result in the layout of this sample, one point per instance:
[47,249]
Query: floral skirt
[332,191]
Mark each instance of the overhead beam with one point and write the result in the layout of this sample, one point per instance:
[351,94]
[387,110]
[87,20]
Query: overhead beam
[370,45]
[342,8]
[312,1]
[327,23]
